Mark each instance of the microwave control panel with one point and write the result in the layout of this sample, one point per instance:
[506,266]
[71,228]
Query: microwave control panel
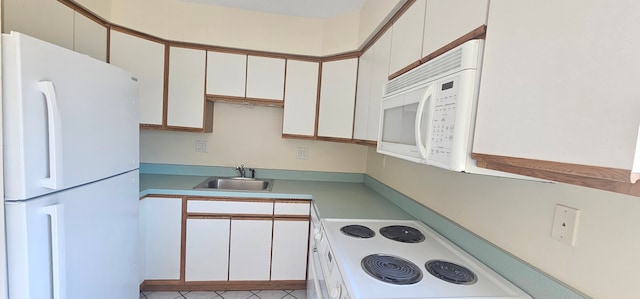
[443,120]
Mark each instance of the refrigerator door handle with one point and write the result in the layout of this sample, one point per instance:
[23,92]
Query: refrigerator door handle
[54,181]
[56,214]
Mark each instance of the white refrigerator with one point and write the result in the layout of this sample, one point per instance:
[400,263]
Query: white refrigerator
[70,130]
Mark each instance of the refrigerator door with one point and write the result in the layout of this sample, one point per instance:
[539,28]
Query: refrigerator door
[68,119]
[76,244]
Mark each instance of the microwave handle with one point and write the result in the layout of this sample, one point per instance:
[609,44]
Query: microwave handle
[422,146]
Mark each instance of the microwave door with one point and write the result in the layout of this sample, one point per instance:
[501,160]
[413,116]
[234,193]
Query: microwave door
[423,122]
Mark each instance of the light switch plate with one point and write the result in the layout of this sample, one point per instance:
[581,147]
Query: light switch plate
[565,224]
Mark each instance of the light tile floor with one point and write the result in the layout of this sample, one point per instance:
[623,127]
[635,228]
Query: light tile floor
[265,294]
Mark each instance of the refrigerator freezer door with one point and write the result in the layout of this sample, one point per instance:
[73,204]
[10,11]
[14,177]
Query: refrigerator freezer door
[68,119]
[75,244]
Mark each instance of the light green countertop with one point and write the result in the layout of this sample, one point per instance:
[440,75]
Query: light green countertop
[331,199]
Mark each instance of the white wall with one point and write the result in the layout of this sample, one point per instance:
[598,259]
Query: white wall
[517,216]
[99,7]
[373,15]
[249,135]
[47,20]
[229,27]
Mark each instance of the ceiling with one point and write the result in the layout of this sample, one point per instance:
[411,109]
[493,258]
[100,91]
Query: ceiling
[303,8]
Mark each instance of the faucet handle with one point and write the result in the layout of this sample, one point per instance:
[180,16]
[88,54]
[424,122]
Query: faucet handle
[253,173]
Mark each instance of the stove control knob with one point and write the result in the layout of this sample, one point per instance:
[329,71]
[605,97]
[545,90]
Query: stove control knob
[335,292]
[317,234]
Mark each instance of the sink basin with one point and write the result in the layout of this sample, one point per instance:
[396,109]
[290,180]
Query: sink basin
[236,184]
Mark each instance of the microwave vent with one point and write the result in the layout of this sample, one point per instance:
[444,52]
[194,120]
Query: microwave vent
[445,63]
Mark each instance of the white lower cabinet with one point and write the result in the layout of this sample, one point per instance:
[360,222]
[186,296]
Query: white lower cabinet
[250,250]
[207,249]
[290,241]
[162,228]
[244,243]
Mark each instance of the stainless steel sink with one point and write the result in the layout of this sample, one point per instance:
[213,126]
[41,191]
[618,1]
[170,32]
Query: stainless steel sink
[235,184]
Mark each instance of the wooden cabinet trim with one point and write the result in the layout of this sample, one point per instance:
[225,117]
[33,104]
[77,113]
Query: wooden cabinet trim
[295,136]
[244,100]
[294,200]
[603,178]
[291,218]
[161,196]
[239,199]
[478,33]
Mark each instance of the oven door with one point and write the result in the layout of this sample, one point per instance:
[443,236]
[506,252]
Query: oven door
[405,123]
[316,284]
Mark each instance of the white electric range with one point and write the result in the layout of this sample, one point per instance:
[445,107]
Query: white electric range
[399,259]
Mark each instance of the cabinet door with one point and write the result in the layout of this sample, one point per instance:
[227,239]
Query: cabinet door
[337,98]
[265,78]
[226,74]
[250,250]
[300,98]
[89,37]
[145,59]
[185,105]
[290,241]
[440,28]
[162,230]
[207,249]
[372,75]
[552,90]
[363,95]
[406,38]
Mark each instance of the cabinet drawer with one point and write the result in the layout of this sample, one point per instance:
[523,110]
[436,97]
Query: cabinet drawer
[230,207]
[292,208]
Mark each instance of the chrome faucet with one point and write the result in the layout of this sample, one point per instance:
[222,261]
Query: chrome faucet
[240,169]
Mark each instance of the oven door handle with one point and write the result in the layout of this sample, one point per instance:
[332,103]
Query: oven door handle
[321,291]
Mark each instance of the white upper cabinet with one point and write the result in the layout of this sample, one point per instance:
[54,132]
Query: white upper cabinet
[559,82]
[447,20]
[265,78]
[406,38]
[226,74]
[185,105]
[238,76]
[300,98]
[372,75]
[145,59]
[89,37]
[337,98]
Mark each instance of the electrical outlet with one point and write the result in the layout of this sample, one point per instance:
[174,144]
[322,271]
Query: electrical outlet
[565,224]
[201,146]
[302,153]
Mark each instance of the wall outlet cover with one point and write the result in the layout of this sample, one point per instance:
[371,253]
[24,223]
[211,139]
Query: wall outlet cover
[565,224]
[302,153]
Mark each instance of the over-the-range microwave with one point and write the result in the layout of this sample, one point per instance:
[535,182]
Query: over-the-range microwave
[428,113]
